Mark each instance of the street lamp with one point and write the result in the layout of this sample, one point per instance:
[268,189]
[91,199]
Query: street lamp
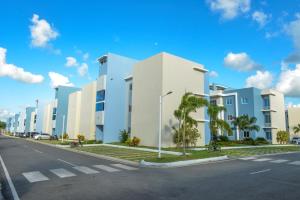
[160,123]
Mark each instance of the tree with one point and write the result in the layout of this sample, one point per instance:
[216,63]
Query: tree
[187,133]
[2,125]
[215,123]
[282,137]
[245,123]
[297,129]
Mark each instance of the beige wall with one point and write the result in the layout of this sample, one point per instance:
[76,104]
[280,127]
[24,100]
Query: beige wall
[277,113]
[74,114]
[156,76]
[293,120]
[48,123]
[87,125]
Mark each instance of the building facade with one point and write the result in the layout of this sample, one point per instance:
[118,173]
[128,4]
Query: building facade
[30,122]
[49,117]
[292,120]
[154,77]
[267,106]
[110,96]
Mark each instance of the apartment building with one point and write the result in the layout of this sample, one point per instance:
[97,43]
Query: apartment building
[49,117]
[292,120]
[30,122]
[82,111]
[110,96]
[157,76]
[267,106]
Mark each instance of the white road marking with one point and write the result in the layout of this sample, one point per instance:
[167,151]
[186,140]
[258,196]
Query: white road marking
[295,163]
[124,167]
[106,168]
[62,173]
[262,171]
[248,158]
[66,162]
[10,183]
[85,170]
[262,159]
[35,176]
[278,161]
[37,151]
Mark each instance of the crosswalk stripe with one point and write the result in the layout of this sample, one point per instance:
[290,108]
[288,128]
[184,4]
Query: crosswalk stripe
[124,167]
[35,176]
[295,163]
[262,159]
[85,170]
[106,168]
[248,158]
[278,161]
[62,173]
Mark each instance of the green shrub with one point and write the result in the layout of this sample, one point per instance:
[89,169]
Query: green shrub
[65,136]
[80,137]
[261,140]
[93,142]
[223,138]
[282,137]
[135,141]
[124,135]
[248,141]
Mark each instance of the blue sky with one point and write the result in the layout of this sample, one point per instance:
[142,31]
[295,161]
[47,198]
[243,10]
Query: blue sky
[245,42]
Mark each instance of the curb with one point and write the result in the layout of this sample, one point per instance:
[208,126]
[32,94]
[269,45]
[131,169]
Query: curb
[89,154]
[263,155]
[182,163]
[247,147]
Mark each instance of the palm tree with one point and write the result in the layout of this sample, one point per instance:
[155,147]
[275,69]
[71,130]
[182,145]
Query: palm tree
[215,123]
[245,123]
[297,129]
[189,103]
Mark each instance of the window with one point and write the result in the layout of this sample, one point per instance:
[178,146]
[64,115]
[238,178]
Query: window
[268,135]
[100,106]
[230,117]
[213,102]
[244,100]
[100,95]
[246,134]
[54,114]
[267,118]
[229,101]
[267,102]
[130,86]
[129,108]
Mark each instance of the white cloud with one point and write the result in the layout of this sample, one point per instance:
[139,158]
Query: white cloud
[59,80]
[213,74]
[16,73]
[260,17]
[41,32]
[261,80]
[291,105]
[230,9]
[71,62]
[85,56]
[289,82]
[4,114]
[240,62]
[83,69]
[293,30]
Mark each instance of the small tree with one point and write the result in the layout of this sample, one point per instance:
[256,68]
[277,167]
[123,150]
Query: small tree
[282,137]
[124,135]
[297,129]
[65,136]
[80,137]
[246,123]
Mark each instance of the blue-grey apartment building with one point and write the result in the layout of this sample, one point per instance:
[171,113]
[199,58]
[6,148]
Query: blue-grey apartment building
[267,106]
[30,119]
[110,96]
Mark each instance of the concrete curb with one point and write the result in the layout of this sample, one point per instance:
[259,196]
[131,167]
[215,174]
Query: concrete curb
[182,163]
[89,154]
[264,155]
[247,147]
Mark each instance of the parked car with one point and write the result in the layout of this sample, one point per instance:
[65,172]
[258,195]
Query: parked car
[296,140]
[42,136]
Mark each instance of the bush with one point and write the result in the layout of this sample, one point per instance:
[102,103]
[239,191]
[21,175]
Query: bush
[248,141]
[261,140]
[282,137]
[223,138]
[124,135]
[80,137]
[135,141]
[65,136]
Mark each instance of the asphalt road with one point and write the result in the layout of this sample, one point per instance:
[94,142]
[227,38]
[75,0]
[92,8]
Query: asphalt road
[74,176]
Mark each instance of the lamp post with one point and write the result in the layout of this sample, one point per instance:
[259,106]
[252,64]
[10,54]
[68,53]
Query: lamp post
[160,123]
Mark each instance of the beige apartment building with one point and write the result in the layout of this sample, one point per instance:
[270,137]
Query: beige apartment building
[81,112]
[157,76]
[49,117]
[292,120]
